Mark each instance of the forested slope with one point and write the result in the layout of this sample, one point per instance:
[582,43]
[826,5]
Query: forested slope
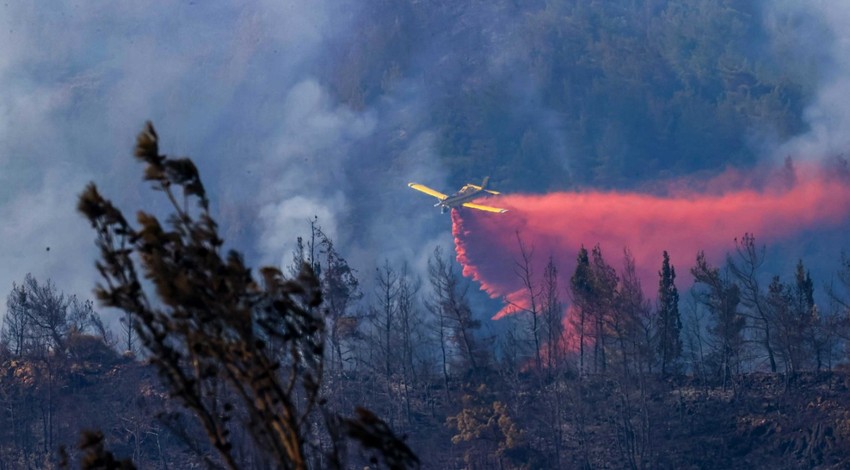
[727,364]
[549,95]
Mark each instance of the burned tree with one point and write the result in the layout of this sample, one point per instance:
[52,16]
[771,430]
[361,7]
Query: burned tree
[722,299]
[208,325]
[744,268]
[594,291]
[453,318]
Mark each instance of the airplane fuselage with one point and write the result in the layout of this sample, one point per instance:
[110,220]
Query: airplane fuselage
[466,194]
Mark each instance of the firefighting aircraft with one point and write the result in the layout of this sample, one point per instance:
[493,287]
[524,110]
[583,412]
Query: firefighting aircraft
[460,198]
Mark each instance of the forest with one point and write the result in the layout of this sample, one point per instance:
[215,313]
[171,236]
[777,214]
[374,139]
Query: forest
[741,372]
[391,361]
[638,90]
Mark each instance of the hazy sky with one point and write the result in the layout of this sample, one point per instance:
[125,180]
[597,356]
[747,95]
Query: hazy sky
[231,86]
[236,88]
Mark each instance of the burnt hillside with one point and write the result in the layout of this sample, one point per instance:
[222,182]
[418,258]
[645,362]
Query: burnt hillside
[759,421]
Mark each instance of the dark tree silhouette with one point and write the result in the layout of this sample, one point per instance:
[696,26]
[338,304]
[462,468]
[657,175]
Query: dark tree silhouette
[669,320]
[453,316]
[744,266]
[210,324]
[594,290]
[722,298]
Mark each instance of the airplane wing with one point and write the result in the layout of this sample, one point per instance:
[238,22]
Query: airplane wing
[484,208]
[427,190]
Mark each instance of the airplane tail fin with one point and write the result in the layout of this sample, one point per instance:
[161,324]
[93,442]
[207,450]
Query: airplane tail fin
[484,186]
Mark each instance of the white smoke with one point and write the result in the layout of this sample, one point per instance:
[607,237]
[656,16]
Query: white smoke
[221,83]
[303,170]
[235,87]
[817,33]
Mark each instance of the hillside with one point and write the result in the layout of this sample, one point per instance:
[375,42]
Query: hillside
[761,421]
[667,287]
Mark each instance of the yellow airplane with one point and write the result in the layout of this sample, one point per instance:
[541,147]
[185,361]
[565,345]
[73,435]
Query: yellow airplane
[460,198]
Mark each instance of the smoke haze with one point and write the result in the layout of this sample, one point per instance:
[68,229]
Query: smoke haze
[289,115]
[237,88]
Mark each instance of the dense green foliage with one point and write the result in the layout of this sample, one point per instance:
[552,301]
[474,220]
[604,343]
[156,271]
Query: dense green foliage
[567,93]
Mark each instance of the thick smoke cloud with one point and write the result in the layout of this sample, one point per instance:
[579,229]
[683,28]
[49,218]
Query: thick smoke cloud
[681,222]
[247,91]
[237,88]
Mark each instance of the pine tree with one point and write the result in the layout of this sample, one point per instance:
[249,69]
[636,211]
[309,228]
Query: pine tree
[581,288]
[594,291]
[669,320]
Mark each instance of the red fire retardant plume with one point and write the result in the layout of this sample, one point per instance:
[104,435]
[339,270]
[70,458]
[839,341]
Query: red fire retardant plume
[682,222]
